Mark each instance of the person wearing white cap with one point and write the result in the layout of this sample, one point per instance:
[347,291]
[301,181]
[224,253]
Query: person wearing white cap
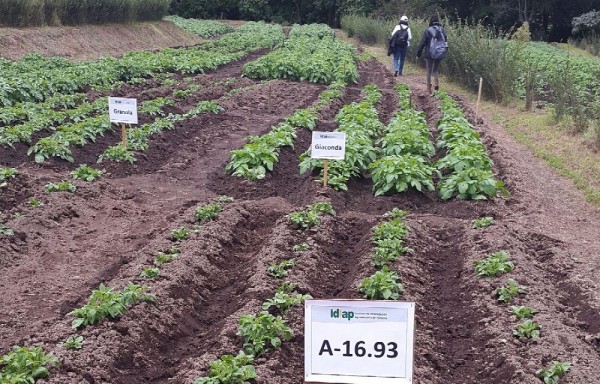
[399,43]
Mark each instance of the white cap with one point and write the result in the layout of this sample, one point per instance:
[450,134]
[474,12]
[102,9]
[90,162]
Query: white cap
[404,18]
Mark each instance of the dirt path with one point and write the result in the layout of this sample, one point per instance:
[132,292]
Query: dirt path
[109,230]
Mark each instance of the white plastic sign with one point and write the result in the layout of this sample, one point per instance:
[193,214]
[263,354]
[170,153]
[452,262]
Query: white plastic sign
[358,342]
[328,145]
[122,110]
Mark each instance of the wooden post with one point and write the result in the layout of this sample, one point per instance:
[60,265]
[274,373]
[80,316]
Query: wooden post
[478,100]
[410,100]
[270,99]
[124,135]
[325,172]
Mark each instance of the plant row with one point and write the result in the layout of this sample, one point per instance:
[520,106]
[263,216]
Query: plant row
[35,78]
[265,331]
[361,124]
[498,264]
[261,153]
[389,243]
[466,167]
[308,54]
[404,152]
[202,28]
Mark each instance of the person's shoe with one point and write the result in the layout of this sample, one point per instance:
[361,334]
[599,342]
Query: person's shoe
[437,88]
[395,73]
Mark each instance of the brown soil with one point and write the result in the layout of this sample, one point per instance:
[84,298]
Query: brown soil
[109,230]
[89,42]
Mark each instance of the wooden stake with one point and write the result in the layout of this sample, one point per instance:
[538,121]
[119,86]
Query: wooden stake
[270,99]
[478,100]
[325,171]
[124,134]
[410,100]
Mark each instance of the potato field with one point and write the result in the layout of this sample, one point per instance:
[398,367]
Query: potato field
[185,255]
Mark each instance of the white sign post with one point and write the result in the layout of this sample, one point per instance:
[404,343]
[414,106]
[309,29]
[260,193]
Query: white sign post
[328,146]
[123,111]
[358,342]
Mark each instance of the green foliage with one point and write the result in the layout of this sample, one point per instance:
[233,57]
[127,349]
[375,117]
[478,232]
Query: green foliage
[25,365]
[396,213]
[472,183]
[398,173]
[281,270]
[299,248]
[150,273]
[36,203]
[382,285]
[496,264]
[205,106]
[304,118]
[86,173]
[208,212]
[283,302]
[507,293]
[262,332]
[7,173]
[482,222]
[522,312]
[6,231]
[167,256]
[261,153]
[63,186]
[27,13]
[528,329]
[360,122]
[73,342]
[388,240]
[155,107]
[229,369]
[309,217]
[117,153]
[105,302]
[303,57]
[202,28]
[224,199]
[553,374]
[180,234]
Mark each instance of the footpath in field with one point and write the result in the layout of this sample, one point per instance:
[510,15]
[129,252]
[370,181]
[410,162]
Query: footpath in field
[221,259]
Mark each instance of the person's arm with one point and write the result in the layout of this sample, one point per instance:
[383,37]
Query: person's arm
[422,44]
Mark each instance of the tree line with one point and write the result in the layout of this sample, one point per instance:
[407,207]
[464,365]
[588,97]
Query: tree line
[549,20]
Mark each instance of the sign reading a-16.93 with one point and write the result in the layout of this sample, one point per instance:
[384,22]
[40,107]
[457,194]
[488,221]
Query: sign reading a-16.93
[359,342]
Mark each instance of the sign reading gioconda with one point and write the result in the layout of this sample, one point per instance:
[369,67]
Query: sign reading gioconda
[359,342]
[328,145]
[122,110]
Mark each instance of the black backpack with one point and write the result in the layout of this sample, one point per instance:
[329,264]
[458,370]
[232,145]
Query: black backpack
[400,38]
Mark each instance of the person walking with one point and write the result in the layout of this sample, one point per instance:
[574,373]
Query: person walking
[399,43]
[435,43]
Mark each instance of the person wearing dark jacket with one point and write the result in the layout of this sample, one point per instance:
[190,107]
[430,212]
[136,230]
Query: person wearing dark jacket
[431,65]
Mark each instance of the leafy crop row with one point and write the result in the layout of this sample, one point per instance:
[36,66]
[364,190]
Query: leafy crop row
[260,155]
[389,244]
[361,124]
[35,78]
[25,365]
[309,54]
[202,28]
[405,150]
[466,167]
